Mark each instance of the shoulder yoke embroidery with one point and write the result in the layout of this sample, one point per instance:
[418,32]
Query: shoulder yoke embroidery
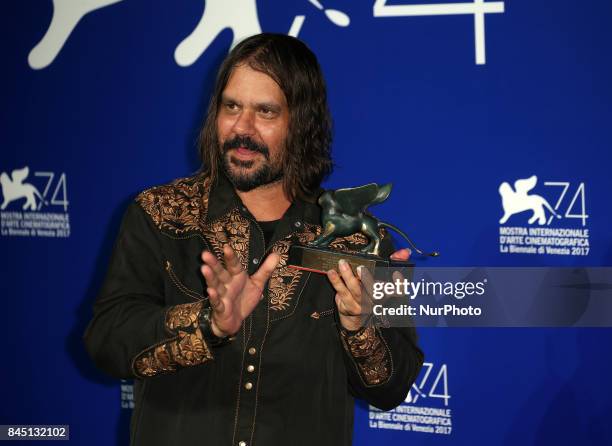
[179,206]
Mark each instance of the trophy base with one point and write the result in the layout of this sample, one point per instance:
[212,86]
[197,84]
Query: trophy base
[321,260]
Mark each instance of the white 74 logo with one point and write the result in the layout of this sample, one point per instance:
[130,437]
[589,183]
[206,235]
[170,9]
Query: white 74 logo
[439,384]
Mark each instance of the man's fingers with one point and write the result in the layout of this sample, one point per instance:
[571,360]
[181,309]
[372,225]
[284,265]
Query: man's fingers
[337,282]
[367,281]
[341,305]
[401,254]
[231,260]
[209,275]
[215,300]
[209,258]
[265,270]
[258,282]
[344,300]
[220,273]
[397,276]
[352,283]
[212,281]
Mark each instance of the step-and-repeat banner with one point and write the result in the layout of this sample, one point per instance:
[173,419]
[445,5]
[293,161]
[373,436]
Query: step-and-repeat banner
[492,119]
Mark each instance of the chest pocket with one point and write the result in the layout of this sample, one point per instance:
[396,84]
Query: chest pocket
[312,296]
[291,290]
[321,303]
[183,280]
[179,286]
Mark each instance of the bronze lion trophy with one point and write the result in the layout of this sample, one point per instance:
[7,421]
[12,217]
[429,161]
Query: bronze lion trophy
[347,227]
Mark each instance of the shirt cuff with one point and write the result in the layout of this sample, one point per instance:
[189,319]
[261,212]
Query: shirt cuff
[186,348]
[369,353]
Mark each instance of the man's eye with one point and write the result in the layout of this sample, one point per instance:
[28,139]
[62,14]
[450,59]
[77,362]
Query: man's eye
[267,112]
[231,105]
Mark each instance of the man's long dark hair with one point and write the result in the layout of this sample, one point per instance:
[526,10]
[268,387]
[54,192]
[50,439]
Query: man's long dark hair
[307,156]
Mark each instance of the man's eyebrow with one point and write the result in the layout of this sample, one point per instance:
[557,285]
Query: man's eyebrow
[226,98]
[269,105]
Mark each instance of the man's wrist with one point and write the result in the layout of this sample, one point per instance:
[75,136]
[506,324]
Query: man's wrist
[215,329]
[350,323]
[210,331]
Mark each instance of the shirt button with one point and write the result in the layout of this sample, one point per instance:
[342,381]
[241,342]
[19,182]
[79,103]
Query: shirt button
[251,368]
[297,224]
[248,386]
[252,351]
[255,261]
[242,443]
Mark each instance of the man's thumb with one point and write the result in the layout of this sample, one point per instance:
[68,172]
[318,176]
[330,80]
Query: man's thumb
[265,270]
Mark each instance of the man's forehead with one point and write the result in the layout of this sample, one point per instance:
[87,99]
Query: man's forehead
[246,83]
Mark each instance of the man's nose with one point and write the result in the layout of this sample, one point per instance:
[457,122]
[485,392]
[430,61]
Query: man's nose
[245,123]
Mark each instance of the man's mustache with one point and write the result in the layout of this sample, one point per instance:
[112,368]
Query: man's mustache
[245,141]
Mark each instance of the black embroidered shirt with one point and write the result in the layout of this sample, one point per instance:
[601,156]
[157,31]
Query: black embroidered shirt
[289,377]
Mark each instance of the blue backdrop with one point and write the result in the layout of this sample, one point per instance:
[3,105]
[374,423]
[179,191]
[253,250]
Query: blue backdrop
[446,101]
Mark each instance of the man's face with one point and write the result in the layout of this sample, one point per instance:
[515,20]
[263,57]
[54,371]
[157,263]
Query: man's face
[252,124]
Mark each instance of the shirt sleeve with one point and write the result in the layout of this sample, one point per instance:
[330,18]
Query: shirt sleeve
[133,332]
[382,363]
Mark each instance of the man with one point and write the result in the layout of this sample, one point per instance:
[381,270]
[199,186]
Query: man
[227,344]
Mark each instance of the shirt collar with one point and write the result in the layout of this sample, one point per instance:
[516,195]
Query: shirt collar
[223,199]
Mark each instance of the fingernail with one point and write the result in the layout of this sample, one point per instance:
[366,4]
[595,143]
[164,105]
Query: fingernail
[359,270]
[343,264]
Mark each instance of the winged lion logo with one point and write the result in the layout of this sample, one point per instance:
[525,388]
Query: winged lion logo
[518,200]
[13,188]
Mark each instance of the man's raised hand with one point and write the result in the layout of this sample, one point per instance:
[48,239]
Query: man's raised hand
[232,293]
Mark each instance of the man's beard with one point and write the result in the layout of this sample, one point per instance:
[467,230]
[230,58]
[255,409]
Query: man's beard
[245,181]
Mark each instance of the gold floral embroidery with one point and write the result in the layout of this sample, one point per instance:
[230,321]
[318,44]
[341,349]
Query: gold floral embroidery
[183,316]
[182,206]
[309,234]
[177,206]
[154,363]
[187,348]
[350,243]
[284,280]
[232,228]
[191,349]
[370,354]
